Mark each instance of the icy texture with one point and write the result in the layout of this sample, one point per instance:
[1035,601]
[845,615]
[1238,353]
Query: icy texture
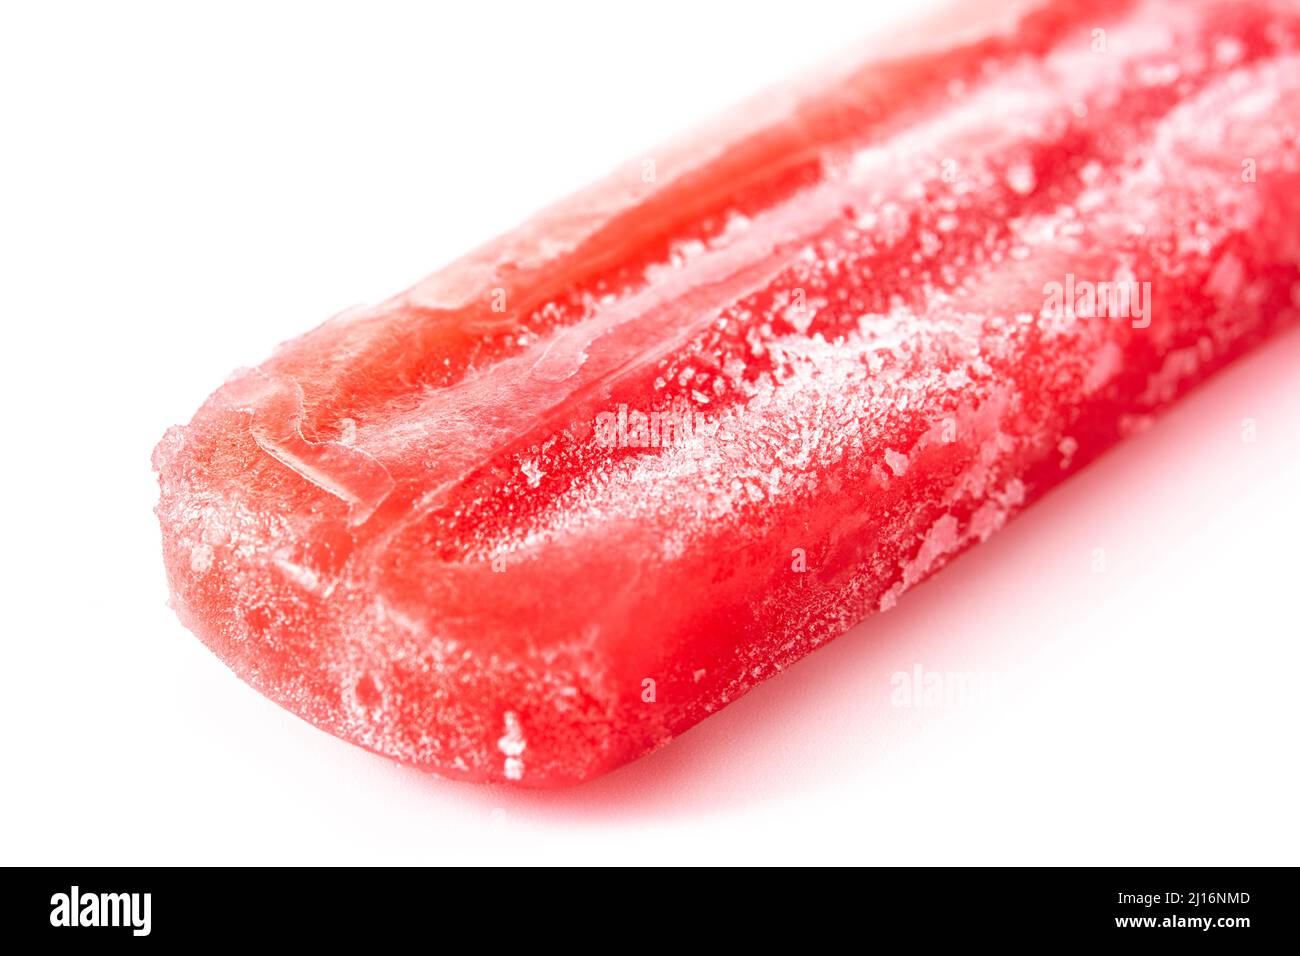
[447,528]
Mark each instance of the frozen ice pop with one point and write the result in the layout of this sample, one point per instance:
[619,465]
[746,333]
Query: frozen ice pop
[571,494]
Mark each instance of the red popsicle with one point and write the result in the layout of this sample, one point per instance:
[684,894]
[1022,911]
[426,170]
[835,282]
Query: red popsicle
[578,490]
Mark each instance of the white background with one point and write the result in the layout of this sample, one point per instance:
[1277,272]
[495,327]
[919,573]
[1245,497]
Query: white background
[181,190]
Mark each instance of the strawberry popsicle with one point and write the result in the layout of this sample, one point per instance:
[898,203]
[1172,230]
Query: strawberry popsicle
[578,490]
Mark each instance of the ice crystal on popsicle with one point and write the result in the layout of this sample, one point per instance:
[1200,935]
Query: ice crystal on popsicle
[582,488]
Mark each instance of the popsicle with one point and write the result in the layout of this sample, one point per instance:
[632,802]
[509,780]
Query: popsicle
[580,489]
